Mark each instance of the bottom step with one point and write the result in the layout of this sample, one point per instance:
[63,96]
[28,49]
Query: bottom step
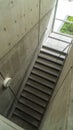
[27,118]
[22,123]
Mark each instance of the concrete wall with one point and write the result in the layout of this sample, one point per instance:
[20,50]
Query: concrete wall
[59,115]
[22,26]
[5,124]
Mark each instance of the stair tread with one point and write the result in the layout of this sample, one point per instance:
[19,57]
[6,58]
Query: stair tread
[42,82]
[31,105]
[46,69]
[49,53]
[22,123]
[54,50]
[39,87]
[48,65]
[44,75]
[28,111]
[26,118]
[36,92]
[50,59]
[34,99]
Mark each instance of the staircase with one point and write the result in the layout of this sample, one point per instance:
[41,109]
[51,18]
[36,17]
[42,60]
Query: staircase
[38,89]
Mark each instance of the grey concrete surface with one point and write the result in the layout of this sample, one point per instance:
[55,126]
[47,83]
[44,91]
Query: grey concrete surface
[19,28]
[8,125]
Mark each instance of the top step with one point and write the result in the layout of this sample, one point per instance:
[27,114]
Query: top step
[60,37]
[54,50]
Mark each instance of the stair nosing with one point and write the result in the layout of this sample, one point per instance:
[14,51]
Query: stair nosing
[36,95]
[32,101]
[50,60]
[48,86]
[30,107]
[48,65]
[16,114]
[44,70]
[29,114]
[48,79]
[38,88]
[51,54]
[55,50]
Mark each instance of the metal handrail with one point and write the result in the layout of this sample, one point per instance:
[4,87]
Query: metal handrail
[64,20]
[59,39]
[63,34]
[69,45]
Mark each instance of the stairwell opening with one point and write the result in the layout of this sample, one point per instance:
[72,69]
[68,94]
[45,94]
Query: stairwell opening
[30,105]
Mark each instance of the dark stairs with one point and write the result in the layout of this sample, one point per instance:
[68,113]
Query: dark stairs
[38,89]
